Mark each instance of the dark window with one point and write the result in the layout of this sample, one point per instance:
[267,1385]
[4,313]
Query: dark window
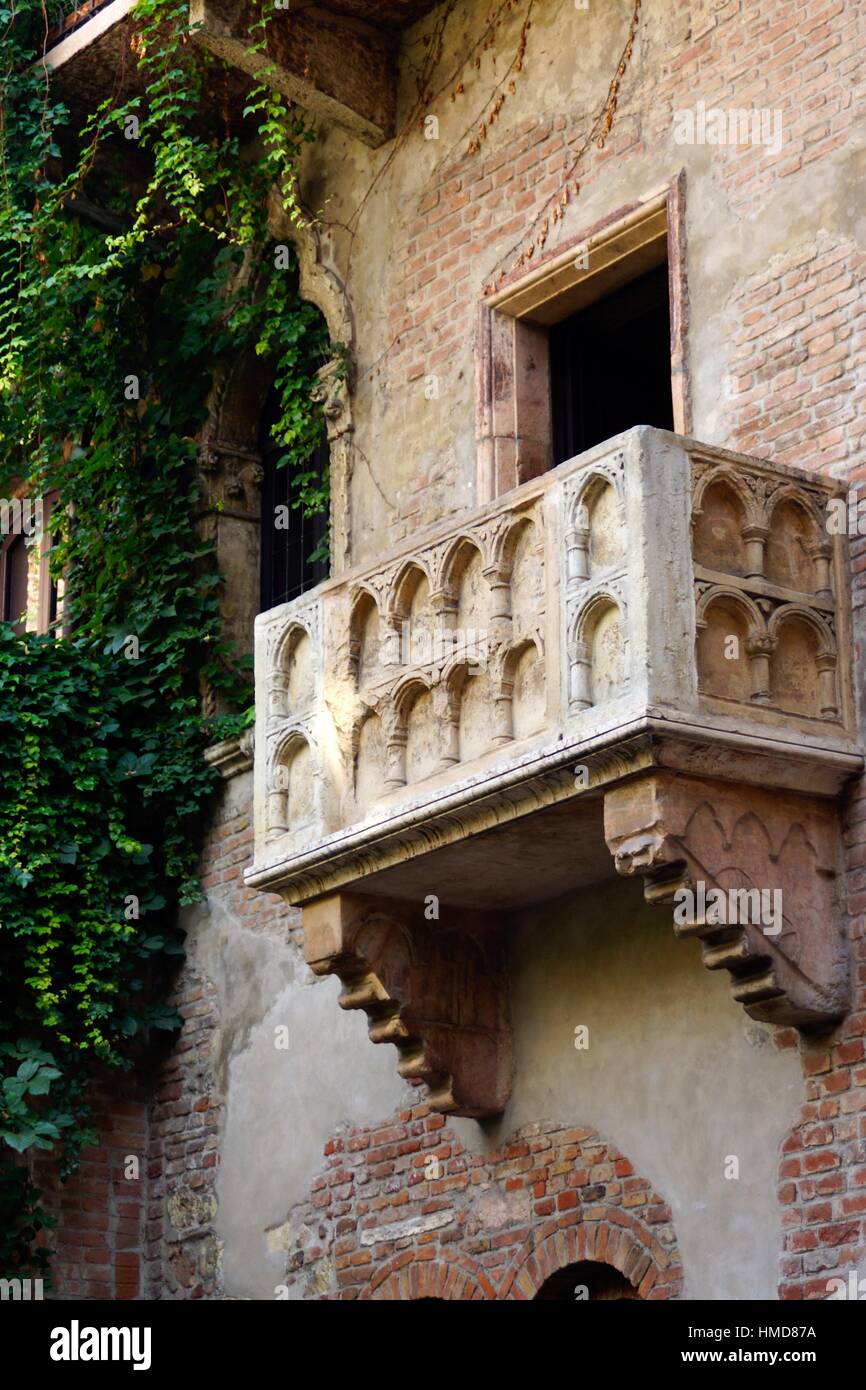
[288,568]
[610,366]
[15,582]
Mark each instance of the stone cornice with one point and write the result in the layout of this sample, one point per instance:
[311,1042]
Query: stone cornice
[233,756]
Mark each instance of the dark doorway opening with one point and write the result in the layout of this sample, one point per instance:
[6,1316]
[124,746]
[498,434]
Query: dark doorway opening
[588,1279]
[287,564]
[610,366]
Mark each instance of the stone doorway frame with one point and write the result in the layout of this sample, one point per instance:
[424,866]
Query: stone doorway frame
[512,411]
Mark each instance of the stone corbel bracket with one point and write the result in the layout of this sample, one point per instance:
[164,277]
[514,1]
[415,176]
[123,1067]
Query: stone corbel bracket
[437,992]
[785,949]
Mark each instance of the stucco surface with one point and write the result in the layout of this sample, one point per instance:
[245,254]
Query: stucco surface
[675,1075]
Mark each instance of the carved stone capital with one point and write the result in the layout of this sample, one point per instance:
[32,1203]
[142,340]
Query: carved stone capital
[233,756]
[231,477]
[753,875]
[332,393]
[436,989]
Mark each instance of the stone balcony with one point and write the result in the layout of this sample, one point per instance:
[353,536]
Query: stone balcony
[639,662]
[338,61]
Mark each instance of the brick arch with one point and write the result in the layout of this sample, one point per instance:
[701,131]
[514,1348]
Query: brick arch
[609,1236]
[413,1274]
[403,1209]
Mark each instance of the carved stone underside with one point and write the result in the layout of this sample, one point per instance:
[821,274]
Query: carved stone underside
[436,990]
[681,833]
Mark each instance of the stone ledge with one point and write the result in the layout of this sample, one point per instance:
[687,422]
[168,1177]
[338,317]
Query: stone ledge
[233,756]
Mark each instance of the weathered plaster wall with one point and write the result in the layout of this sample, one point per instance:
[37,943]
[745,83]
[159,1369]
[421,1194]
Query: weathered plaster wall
[238,1119]
[281,1104]
[675,1073]
[675,1076]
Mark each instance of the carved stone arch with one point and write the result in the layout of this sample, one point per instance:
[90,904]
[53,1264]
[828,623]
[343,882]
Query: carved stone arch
[474,712]
[285,640]
[503,539]
[407,690]
[595,674]
[414,742]
[724,475]
[517,577]
[454,675]
[812,575]
[582,617]
[292,780]
[789,611]
[734,672]
[508,658]
[803,674]
[791,493]
[292,681]
[610,1236]
[596,477]
[412,616]
[467,586]
[319,284]
[449,697]
[369,647]
[369,756]
[727,593]
[595,544]
[458,554]
[364,590]
[452,1277]
[732,544]
[299,731]
[521,683]
[403,585]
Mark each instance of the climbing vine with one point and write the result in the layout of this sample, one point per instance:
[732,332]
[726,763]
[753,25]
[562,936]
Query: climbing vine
[135,266]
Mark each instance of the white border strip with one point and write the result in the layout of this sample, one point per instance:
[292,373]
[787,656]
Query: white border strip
[91,29]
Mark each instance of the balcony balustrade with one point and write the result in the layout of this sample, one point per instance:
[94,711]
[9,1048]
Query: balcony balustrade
[644,654]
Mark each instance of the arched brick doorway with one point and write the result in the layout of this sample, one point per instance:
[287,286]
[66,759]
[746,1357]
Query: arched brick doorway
[607,1237]
[458,1225]
[587,1280]
[412,1277]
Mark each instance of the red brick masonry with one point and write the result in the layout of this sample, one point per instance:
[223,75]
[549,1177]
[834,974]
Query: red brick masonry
[497,1225]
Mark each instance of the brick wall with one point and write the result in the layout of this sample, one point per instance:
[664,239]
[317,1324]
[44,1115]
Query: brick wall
[100,1210]
[822,1173]
[155,1237]
[793,333]
[799,332]
[403,1210]
[792,390]
[182,1248]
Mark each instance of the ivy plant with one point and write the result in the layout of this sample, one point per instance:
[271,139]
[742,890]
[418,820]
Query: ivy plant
[134,265]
